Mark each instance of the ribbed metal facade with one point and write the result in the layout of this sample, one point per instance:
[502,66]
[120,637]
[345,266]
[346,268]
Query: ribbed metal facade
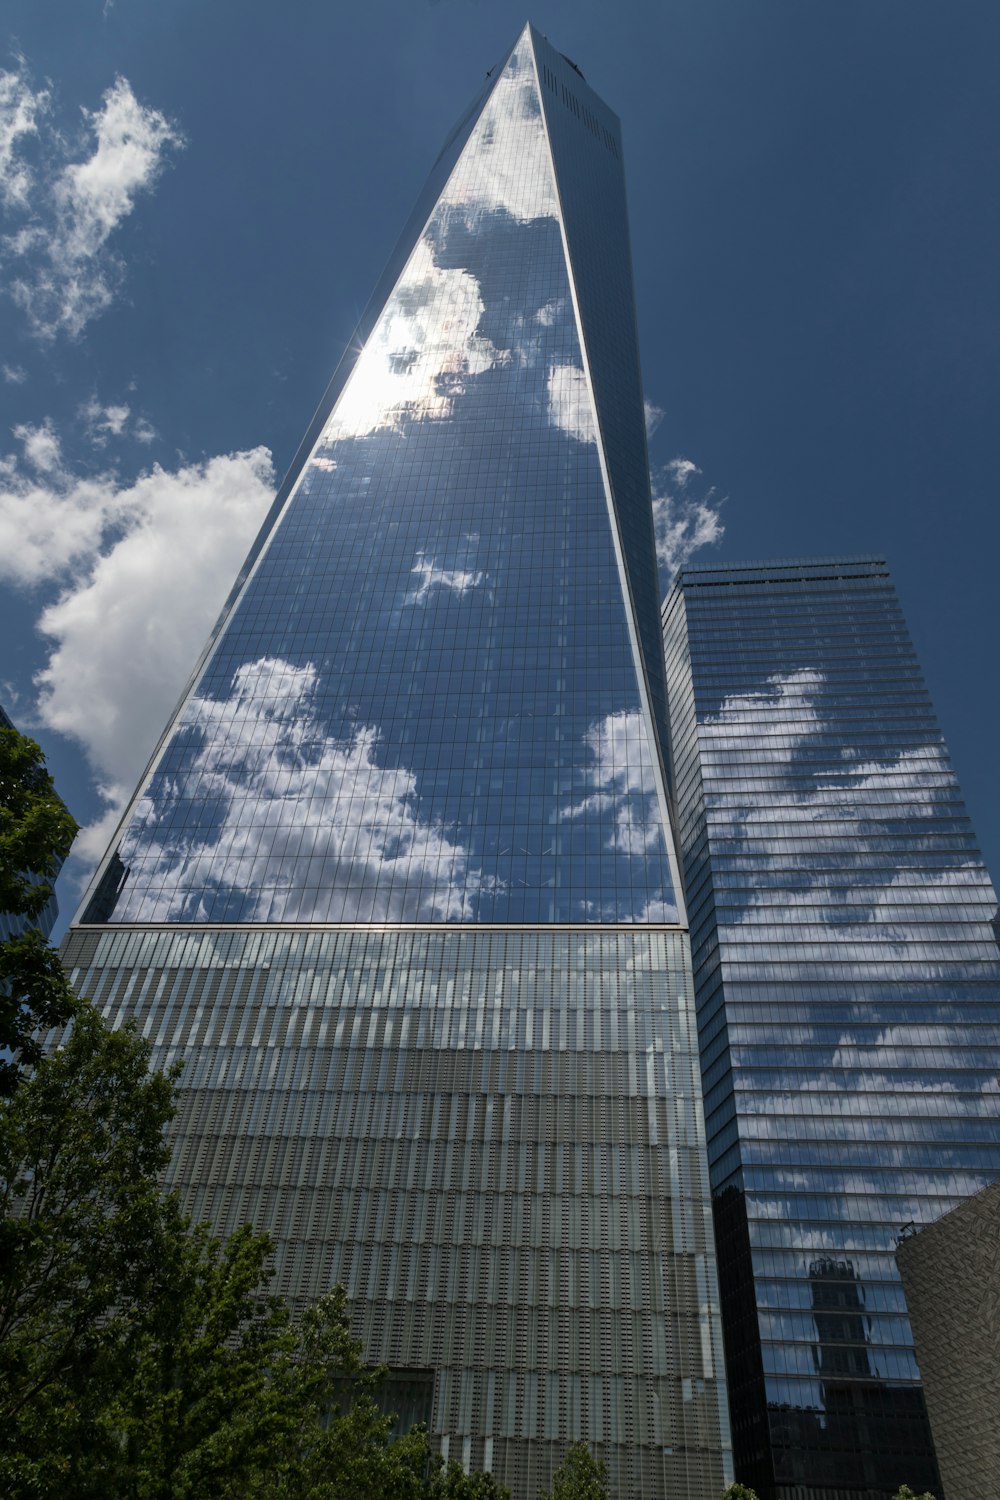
[492,1139]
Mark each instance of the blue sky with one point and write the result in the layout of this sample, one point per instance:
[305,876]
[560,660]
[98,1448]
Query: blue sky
[197,200]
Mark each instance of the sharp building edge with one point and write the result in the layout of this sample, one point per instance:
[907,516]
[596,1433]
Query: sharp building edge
[399,886]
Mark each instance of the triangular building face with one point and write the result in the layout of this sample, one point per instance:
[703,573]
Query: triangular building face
[433,697]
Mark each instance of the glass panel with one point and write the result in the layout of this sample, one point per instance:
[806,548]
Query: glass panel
[848,994]
[425,704]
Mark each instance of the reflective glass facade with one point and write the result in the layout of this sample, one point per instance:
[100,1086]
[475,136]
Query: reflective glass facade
[848,997]
[438,695]
[399,883]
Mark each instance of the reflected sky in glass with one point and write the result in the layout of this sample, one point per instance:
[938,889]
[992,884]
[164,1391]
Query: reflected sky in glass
[848,981]
[425,705]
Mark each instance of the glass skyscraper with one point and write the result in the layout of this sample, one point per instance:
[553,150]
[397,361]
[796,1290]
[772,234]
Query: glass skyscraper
[399,884]
[848,997]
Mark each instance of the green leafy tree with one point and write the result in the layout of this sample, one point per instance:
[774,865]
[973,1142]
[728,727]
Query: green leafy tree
[36,832]
[82,1230]
[905,1493]
[739,1492]
[451,1482]
[202,1411]
[337,1441]
[580,1476]
[144,1358]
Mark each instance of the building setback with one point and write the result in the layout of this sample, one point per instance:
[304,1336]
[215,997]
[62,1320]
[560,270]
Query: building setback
[848,1000]
[399,883]
[951,1275]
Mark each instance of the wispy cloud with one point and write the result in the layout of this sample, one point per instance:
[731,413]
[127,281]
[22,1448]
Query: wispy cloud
[685,516]
[431,575]
[621,794]
[654,416]
[104,422]
[622,783]
[13,374]
[21,109]
[69,272]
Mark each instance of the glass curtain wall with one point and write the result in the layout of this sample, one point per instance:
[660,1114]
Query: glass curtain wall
[848,996]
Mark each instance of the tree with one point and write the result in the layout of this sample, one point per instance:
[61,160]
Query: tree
[739,1492]
[143,1357]
[82,1230]
[905,1493]
[451,1482]
[580,1476]
[36,832]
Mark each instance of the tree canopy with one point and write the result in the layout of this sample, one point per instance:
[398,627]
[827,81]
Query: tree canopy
[36,832]
[143,1357]
[580,1476]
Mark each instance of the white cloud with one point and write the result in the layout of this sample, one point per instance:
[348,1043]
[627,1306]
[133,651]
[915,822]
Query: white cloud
[425,345]
[91,843]
[70,274]
[41,446]
[505,164]
[757,740]
[420,353]
[51,520]
[290,796]
[103,422]
[21,107]
[621,775]
[127,630]
[13,374]
[745,729]
[681,470]
[682,522]
[570,407]
[456,580]
[654,416]
[144,568]
[622,793]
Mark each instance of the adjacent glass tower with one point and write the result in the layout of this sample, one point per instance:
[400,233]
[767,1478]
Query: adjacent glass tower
[399,883]
[848,996]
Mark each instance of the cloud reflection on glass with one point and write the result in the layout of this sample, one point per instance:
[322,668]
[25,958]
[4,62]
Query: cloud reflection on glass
[425,706]
[849,983]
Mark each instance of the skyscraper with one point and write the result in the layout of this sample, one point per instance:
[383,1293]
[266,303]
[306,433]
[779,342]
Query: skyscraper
[399,883]
[848,998]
